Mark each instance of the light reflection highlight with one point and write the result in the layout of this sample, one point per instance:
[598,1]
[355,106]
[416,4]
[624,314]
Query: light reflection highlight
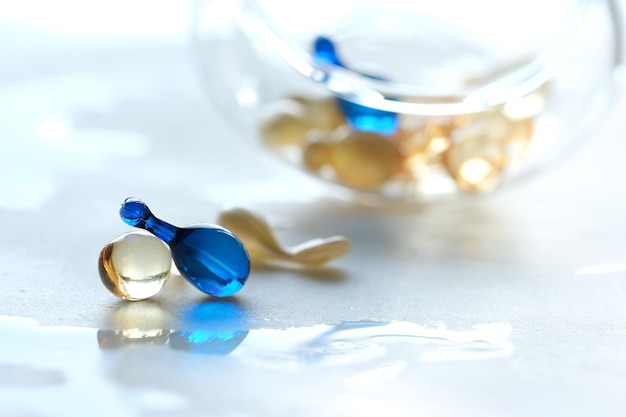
[601,268]
[350,343]
[45,139]
[345,343]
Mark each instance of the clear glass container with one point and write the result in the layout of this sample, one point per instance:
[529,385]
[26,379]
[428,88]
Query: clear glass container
[418,99]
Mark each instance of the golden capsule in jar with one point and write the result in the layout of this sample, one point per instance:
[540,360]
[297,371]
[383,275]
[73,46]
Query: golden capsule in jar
[431,137]
[476,163]
[423,149]
[316,154]
[520,136]
[491,124]
[364,160]
[284,124]
[495,124]
[321,113]
[134,266]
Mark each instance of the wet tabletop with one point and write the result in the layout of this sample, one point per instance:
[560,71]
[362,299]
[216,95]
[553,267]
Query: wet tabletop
[512,304]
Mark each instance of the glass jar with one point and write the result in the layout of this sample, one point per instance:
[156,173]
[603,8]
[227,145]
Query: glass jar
[412,100]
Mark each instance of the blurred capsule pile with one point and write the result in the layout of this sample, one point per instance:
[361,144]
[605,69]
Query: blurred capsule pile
[464,152]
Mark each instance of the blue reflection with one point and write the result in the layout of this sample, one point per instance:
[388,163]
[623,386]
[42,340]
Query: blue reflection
[359,117]
[215,328]
[218,343]
[215,314]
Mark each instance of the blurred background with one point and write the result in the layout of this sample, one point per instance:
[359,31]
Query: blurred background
[516,297]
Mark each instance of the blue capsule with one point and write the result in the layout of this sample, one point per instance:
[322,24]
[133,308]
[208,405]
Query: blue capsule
[359,117]
[208,256]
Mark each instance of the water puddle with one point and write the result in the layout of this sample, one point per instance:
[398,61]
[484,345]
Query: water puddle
[133,369]
[323,345]
[340,344]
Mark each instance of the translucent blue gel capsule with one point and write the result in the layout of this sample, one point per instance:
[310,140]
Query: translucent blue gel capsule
[325,52]
[359,117]
[208,256]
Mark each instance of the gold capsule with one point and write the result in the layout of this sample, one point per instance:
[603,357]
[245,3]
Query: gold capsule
[316,154]
[516,134]
[264,247]
[496,124]
[321,113]
[423,148]
[135,265]
[491,123]
[521,130]
[476,163]
[432,137]
[364,160]
[520,137]
[284,123]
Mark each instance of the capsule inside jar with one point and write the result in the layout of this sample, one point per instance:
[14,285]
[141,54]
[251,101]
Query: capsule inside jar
[469,152]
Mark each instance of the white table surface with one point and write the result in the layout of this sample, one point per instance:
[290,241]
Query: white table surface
[512,304]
